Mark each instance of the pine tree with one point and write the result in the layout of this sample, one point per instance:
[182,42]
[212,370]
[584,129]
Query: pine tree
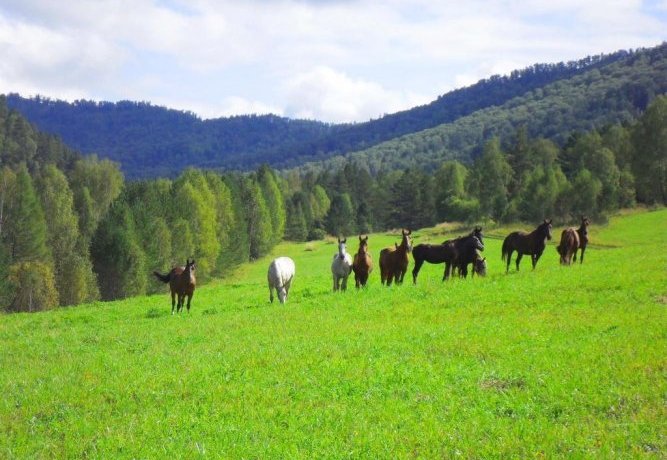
[274,201]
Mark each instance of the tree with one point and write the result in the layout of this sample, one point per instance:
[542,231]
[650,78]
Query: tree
[493,174]
[340,219]
[649,164]
[33,286]
[118,260]
[274,201]
[24,227]
[296,228]
[257,219]
[72,270]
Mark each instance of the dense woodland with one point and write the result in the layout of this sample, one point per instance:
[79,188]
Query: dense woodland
[552,101]
[72,230]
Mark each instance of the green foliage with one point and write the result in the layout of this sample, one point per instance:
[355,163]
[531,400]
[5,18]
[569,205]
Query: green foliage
[118,259]
[340,219]
[258,219]
[32,286]
[491,179]
[650,159]
[24,228]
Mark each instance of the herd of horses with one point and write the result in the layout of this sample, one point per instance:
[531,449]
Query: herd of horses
[457,254]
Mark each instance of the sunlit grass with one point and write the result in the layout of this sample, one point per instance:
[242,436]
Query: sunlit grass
[560,361]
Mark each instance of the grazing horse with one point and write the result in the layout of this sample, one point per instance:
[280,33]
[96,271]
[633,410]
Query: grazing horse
[341,266]
[583,238]
[532,243]
[468,254]
[362,264]
[478,265]
[280,276]
[394,261]
[569,243]
[449,252]
[182,283]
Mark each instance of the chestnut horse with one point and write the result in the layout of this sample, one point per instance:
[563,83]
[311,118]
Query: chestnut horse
[569,243]
[532,243]
[181,283]
[583,238]
[394,261]
[362,264]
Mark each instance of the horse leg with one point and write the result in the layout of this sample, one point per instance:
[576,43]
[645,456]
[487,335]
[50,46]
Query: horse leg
[270,293]
[509,260]
[535,258]
[581,260]
[343,286]
[445,274]
[415,270]
[335,283]
[519,255]
[189,300]
[173,301]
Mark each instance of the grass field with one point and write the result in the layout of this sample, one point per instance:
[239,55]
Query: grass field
[556,362]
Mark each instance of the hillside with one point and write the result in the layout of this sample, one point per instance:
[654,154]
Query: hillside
[615,93]
[152,141]
[559,362]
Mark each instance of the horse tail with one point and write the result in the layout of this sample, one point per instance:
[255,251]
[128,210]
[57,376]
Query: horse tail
[506,248]
[164,278]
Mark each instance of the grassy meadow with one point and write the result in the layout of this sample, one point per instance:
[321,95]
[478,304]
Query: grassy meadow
[556,362]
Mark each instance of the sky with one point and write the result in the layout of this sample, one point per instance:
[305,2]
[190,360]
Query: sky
[328,60]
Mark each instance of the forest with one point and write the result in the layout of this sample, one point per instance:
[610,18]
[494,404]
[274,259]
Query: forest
[551,100]
[73,230]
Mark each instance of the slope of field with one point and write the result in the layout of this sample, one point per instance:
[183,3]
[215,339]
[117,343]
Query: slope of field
[556,362]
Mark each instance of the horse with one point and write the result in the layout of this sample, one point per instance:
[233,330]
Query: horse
[532,243]
[182,283]
[478,265]
[449,252]
[468,255]
[394,261]
[341,266]
[583,238]
[362,264]
[569,243]
[280,276]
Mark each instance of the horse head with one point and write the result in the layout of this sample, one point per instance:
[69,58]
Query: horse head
[545,228]
[363,244]
[477,232]
[406,241]
[341,247]
[479,266]
[477,243]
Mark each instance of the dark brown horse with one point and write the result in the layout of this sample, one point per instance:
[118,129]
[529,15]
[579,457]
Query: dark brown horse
[182,284]
[478,265]
[449,252]
[532,243]
[569,243]
[394,261]
[583,238]
[468,255]
[362,264]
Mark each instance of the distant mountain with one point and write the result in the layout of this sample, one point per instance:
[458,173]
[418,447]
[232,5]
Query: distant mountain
[152,141]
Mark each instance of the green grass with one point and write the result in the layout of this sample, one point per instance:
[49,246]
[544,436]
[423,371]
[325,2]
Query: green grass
[556,362]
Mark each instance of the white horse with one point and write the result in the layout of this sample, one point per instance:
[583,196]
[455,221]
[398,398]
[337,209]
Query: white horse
[341,266]
[280,276]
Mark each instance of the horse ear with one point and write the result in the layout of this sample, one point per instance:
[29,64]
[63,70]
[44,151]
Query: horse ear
[344,241]
[550,221]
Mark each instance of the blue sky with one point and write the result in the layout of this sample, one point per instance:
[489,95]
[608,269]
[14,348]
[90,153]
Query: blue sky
[331,60]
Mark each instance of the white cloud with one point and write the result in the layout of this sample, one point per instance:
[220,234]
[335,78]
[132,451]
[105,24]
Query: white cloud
[325,94]
[223,56]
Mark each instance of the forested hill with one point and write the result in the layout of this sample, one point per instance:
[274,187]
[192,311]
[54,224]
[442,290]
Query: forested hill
[616,93]
[150,141]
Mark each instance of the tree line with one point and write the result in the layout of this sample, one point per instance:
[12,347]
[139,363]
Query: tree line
[519,178]
[151,141]
[72,230]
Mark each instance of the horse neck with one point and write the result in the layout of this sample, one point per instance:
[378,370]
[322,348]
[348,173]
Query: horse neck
[188,274]
[363,250]
[403,247]
[341,251]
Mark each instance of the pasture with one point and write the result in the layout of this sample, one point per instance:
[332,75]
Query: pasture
[559,362]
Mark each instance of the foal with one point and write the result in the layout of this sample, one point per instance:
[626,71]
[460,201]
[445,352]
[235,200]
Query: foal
[583,238]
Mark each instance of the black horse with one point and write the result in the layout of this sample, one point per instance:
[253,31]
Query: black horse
[449,252]
[583,238]
[532,243]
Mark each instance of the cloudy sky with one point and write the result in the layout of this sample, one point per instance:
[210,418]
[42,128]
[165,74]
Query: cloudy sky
[331,60]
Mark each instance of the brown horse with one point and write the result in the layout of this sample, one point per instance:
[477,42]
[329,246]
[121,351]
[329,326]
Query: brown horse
[362,264]
[394,261]
[532,243]
[569,242]
[583,238]
[181,282]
